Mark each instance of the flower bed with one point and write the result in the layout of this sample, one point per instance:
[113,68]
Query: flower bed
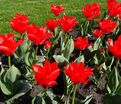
[64,62]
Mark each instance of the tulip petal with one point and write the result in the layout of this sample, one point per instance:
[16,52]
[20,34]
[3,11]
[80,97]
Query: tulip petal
[54,75]
[19,42]
[52,83]
[47,67]
[6,50]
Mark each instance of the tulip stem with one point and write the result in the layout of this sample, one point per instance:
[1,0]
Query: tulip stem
[47,54]
[36,50]
[118,61]
[46,89]
[74,93]
[9,61]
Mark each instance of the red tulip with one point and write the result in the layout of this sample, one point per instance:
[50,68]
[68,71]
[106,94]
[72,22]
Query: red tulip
[91,11]
[115,47]
[81,43]
[47,44]
[78,73]
[97,33]
[56,9]
[107,25]
[114,8]
[109,1]
[47,74]
[67,23]
[52,24]
[19,23]
[8,44]
[37,35]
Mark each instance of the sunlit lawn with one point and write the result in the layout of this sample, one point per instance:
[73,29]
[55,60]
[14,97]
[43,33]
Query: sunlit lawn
[38,10]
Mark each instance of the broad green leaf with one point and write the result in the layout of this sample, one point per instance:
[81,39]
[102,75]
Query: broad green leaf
[114,82]
[38,100]
[30,57]
[69,47]
[21,88]
[3,86]
[50,98]
[11,75]
[98,44]
[4,89]
[22,49]
[87,100]
[60,59]
[79,59]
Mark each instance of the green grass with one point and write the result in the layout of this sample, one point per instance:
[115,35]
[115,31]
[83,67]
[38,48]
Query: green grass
[39,11]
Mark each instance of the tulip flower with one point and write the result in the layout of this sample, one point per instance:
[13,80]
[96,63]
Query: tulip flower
[8,44]
[107,25]
[109,1]
[56,9]
[19,23]
[91,11]
[114,8]
[47,44]
[78,73]
[51,24]
[47,74]
[81,43]
[115,47]
[67,23]
[37,35]
[97,33]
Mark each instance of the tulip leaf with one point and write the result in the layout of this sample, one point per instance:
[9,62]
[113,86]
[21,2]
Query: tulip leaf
[3,86]
[60,59]
[56,31]
[69,47]
[87,99]
[22,87]
[30,57]
[38,100]
[22,49]
[11,75]
[79,59]
[114,82]
[8,79]
[97,44]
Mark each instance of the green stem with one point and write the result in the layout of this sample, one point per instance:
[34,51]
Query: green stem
[56,38]
[9,61]
[46,89]
[118,61]
[36,50]
[74,93]
[80,53]
[47,54]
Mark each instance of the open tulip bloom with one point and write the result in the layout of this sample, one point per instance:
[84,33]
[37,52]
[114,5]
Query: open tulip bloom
[8,44]
[47,74]
[64,61]
[19,23]
[56,9]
